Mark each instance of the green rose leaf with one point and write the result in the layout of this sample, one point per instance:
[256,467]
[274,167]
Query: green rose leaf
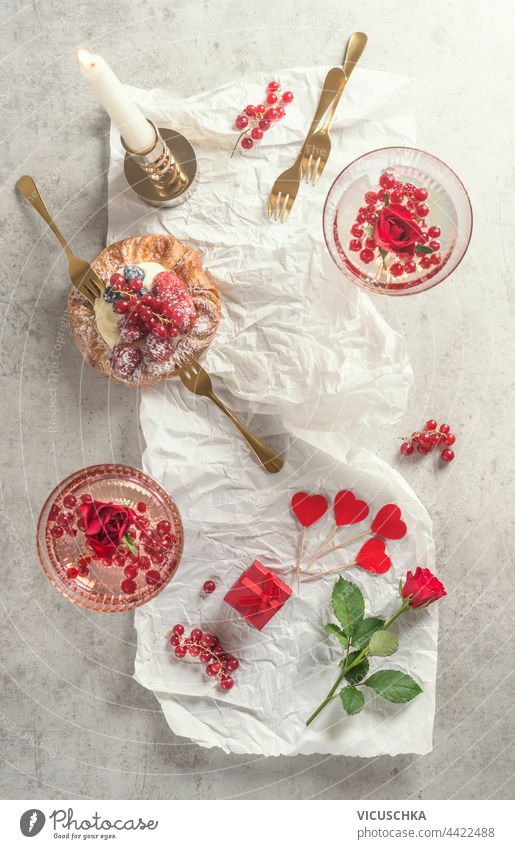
[383,643]
[364,630]
[128,540]
[423,249]
[336,632]
[386,199]
[394,685]
[348,605]
[357,673]
[352,700]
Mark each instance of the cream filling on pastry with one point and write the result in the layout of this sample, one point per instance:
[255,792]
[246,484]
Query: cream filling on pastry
[107,319]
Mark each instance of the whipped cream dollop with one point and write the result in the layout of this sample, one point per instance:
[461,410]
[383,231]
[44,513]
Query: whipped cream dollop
[107,319]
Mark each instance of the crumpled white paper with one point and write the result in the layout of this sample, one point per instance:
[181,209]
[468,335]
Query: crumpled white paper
[305,358]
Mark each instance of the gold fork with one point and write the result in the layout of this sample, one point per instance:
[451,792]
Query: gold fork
[316,152]
[197,380]
[285,189]
[80,272]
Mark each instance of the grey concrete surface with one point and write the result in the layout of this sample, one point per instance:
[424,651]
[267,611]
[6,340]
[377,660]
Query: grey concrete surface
[73,723]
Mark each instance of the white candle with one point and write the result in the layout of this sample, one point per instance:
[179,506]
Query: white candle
[137,133]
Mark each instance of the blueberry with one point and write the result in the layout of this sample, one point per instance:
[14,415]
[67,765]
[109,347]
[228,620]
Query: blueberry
[110,295]
[142,292]
[132,271]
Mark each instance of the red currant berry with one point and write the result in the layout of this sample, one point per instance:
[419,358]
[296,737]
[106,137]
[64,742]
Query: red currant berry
[434,232]
[370,244]
[214,668]
[247,143]
[273,86]
[72,572]
[396,197]
[56,531]
[366,255]
[360,218]
[449,439]
[141,507]
[355,245]
[69,501]
[264,124]
[194,650]
[435,259]
[357,231]
[204,657]
[180,651]
[422,209]
[232,664]
[371,198]
[419,194]
[431,424]
[371,217]
[119,560]
[386,180]
[175,640]
[279,112]
[144,562]
[206,641]
[128,586]
[250,111]
[270,114]
[130,571]
[407,448]
[196,635]
[425,262]
[178,629]
[256,133]
[226,682]
[260,110]
[163,527]
[271,98]
[397,269]
[410,266]
[434,245]
[287,96]
[424,447]
[157,557]
[447,455]
[445,428]
[152,577]
[241,122]
[209,586]
[122,306]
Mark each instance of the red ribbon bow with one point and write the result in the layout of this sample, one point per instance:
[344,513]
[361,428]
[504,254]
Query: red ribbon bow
[264,595]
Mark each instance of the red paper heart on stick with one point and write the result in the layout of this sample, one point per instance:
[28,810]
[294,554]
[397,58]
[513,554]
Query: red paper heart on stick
[388,523]
[373,557]
[308,508]
[348,510]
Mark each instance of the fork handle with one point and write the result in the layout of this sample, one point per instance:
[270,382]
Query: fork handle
[28,189]
[266,456]
[335,79]
[355,47]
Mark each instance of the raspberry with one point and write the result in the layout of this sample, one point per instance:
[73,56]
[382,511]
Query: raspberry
[184,315]
[168,283]
[131,331]
[157,350]
[124,360]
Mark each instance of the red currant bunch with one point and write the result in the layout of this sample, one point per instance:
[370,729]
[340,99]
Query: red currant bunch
[255,121]
[431,437]
[207,649]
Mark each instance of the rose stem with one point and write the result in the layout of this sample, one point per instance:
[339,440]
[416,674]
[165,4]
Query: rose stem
[347,668]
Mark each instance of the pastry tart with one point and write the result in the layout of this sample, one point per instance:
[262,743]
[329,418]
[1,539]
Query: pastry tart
[160,309]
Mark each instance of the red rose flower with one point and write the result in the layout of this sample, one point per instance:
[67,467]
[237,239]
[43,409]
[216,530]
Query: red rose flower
[105,525]
[422,587]
[395,229]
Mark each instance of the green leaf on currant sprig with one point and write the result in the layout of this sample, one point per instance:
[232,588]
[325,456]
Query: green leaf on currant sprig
[423,249]
[128,540]
[364,630]
[352,700]
[394,685]
[383,643]
[357,673]
[348,605]
[336,632]
[386,199]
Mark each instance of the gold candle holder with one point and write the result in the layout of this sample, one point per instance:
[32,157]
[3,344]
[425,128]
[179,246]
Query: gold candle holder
[166,174]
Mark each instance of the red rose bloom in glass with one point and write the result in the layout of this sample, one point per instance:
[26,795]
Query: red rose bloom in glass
[395,230]
[105,525]
[422,587]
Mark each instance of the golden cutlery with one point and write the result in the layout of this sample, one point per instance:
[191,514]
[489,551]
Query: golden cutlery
[80,272]
[318,147]
[285,189]
[197,380]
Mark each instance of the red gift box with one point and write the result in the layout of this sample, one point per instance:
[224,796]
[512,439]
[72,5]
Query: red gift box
[258,594]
